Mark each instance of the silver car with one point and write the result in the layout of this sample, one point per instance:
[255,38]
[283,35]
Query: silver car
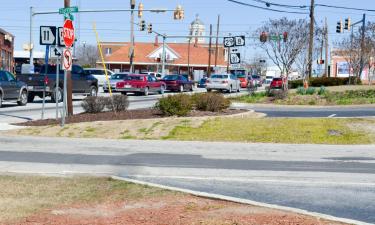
[99,74]
[113,80]
[225,82]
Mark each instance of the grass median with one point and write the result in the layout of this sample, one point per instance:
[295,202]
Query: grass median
[280,130]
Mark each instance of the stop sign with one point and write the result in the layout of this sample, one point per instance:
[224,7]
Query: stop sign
[68,33]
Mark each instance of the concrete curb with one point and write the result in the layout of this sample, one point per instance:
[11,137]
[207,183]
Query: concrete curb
[243,201]
[242,104]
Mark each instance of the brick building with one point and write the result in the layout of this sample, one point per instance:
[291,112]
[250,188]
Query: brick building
[180,57]
[6,51]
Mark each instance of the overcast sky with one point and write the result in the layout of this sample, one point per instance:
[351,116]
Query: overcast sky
[235,19]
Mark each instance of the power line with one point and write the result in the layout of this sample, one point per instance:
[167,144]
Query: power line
[268,4]
[259,7]
[347,8]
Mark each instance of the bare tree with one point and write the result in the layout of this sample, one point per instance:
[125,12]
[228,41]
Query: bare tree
[87,55]
[284,54]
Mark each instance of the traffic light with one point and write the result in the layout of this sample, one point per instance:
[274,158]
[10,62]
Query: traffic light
[339,27]
[263,37]
[320,61]
[149,28]
[347,24]
[142,25]
[140,10]
[285,36]
[132,4]
[179,13]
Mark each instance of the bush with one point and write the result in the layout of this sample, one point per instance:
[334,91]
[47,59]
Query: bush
[295,84]
[213,102]
[117,103]
[301,90]
[310,91]
[175,105]
[277,93]
[93,104]
[322,90]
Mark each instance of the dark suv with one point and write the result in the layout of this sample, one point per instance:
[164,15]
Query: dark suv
[12,89]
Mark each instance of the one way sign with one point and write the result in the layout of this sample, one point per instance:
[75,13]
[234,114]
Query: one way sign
[47,35]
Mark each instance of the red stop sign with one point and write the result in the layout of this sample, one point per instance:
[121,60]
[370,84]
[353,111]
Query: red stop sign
[68,33]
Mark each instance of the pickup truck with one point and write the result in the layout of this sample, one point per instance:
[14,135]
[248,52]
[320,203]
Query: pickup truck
[12,89]
[140,84]
[83,83]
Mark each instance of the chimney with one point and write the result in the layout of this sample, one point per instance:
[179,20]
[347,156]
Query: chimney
[156,40]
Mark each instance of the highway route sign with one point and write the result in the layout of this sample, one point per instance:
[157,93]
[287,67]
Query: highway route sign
[240,41]
[47,35]
[229,42]
[235,58]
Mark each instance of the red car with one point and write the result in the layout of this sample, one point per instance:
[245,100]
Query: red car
[277,83]
[140,84]
[178,83]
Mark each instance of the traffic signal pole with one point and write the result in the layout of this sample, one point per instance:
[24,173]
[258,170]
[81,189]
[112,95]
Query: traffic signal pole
[131,50]
[362,44]
[69,84]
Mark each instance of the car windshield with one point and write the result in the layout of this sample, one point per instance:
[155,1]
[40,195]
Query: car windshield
[255,76]
[118,76]
[134,78]
[276,79]
[171,77]
[219,76]
[269,77]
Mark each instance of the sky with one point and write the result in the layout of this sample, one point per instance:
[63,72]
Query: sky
[235,19]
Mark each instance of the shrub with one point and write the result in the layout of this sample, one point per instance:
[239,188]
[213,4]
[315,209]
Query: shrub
[322,90]
[278,93]
[295,84]
[310,91]
[93,104]
[301,90]
[213,102]
[117,103]
[175,105]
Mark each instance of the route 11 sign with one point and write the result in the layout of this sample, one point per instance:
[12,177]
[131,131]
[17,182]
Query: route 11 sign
[47,35]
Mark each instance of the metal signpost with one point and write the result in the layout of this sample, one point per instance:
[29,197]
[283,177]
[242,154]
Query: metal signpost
[47,37]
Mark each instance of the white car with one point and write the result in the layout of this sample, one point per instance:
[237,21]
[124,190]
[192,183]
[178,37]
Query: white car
[156,75]
[99,74]
[224,82]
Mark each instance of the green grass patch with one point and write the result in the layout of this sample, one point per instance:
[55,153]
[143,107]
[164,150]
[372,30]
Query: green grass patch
[258,97]
[22,196]
[275,130]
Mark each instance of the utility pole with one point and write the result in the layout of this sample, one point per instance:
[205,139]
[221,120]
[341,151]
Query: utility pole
[209,53]
[362,44]
[311,41]
[69,78]
[326,47]
[31,38]
[217,39]
[189,58]
[131,50]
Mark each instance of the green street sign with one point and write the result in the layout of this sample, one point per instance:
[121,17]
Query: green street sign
[73,9]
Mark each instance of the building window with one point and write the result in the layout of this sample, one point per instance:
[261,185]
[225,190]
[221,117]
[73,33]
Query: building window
[108,51]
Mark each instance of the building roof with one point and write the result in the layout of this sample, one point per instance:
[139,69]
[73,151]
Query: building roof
[26,54]
[197,21]
[146,53]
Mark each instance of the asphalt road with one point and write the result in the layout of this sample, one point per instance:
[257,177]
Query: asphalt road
[334,180]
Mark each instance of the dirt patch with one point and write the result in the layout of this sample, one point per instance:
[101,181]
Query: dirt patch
[185,210]
[127,115]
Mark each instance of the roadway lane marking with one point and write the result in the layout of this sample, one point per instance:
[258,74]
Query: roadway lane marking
[333,115]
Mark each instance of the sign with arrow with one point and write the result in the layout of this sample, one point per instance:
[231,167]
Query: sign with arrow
[55,52]
[47,35]
[67,60]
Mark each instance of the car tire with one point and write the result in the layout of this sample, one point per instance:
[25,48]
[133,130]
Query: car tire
[124,93]
[209,90]
[191,88]
[1,99]
[93,91]
[162,89]
[239,89]
[145,92]
[23,98]
[105,91]
[230,89]
[61,95]
[30,97]
[181,89]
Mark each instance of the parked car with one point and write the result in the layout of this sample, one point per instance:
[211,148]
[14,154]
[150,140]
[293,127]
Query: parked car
[241,76]
[12,89]
[268,80]
[277,83]
[82,82]
[202,83]
[177,83]
[226,82]
[113,81]
[99,74]
[140,84]
[157,75]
